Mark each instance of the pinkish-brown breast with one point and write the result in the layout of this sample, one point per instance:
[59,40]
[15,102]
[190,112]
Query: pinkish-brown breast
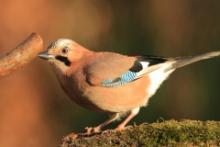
[121,98]
[82,84]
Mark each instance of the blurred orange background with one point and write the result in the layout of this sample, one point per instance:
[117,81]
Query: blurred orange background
[36,112]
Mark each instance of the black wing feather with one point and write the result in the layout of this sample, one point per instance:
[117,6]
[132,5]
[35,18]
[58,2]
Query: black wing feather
[152,60]
[133,73]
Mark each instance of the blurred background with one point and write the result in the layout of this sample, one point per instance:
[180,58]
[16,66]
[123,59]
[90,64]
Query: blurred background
[34,111]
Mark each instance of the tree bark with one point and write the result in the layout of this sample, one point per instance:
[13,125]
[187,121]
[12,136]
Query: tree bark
[21,55]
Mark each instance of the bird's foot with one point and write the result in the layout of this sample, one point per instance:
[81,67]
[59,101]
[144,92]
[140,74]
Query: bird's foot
[120,128]
[70,137]
[91,130]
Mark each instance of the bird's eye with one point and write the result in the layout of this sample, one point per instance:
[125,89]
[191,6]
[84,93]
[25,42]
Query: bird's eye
[65,50]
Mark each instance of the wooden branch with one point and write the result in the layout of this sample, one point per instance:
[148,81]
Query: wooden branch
[21,55]
[167,133]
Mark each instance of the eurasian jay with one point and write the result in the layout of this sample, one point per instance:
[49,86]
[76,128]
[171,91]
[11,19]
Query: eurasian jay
[110,82]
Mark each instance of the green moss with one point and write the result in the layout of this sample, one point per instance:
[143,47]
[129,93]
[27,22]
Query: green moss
[167,133]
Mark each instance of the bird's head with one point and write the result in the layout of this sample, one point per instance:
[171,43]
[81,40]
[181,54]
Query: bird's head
[62,53]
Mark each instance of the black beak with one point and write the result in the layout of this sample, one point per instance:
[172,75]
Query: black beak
[45,56]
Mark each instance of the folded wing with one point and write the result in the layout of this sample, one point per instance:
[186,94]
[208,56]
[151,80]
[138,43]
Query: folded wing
[137,68]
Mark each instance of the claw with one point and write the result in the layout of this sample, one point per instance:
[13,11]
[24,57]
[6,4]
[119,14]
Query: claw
[90,130]
[120,128]
[96,130]
[70,137]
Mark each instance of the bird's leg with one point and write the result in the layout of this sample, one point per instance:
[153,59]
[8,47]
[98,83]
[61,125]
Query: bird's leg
[90,130]
[132,114]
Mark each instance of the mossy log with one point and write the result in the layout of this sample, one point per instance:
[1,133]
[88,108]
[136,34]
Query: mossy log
[166,133]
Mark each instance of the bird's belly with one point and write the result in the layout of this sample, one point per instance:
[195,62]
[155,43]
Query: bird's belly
[121,98]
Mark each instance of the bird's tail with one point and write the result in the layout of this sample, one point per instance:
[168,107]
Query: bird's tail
[183,61]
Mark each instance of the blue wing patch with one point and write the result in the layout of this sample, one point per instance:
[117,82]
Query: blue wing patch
[125,78]
[135,72]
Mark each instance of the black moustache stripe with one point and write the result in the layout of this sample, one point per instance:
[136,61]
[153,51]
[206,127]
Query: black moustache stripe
[64,60]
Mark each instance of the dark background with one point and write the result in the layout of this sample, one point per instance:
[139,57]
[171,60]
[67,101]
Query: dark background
[34,111]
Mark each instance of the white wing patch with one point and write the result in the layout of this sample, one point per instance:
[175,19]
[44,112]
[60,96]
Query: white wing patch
[157,77]
[145,66]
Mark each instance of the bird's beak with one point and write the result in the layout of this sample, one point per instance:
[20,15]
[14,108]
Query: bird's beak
[46,56]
